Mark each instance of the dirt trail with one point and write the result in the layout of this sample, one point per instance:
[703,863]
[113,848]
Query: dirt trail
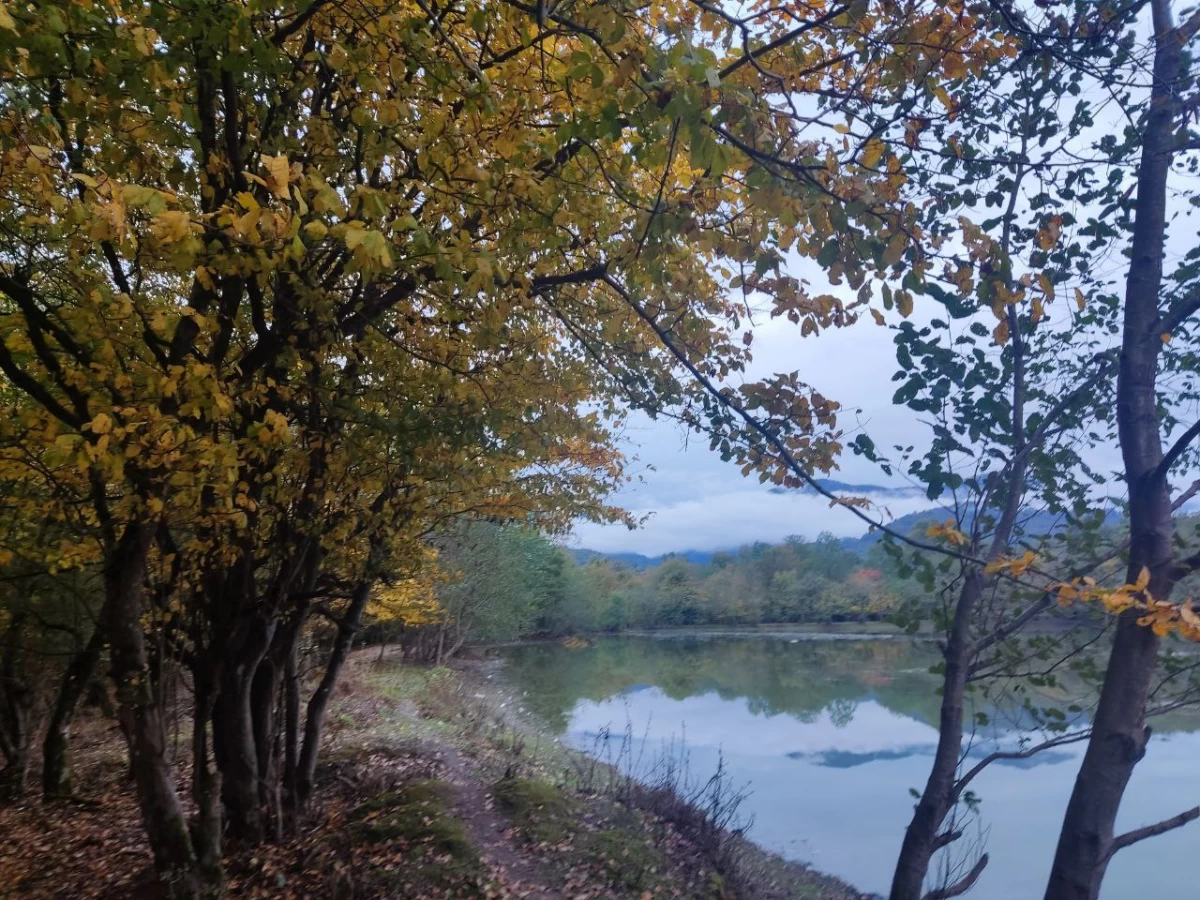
[490,832]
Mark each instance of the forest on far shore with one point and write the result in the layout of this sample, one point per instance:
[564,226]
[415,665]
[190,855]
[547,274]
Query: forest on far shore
[504,582]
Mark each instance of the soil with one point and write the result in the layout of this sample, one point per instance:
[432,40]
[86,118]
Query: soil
[407,806]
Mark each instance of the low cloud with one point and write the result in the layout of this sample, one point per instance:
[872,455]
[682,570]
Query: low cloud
[729,517]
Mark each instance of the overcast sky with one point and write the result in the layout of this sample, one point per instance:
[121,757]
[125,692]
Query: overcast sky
[697,502]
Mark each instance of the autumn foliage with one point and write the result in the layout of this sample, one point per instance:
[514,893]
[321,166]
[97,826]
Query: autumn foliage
[287,287]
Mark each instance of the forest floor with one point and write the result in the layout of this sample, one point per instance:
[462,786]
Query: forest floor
[433,785]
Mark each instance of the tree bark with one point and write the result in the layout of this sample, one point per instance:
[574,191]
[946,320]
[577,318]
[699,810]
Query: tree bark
[56,768]
[236,750]
[16,704]
[314,723]
[924,835]
[166,828]
[291,732]
[921,837]
[206,784]
[1119,731]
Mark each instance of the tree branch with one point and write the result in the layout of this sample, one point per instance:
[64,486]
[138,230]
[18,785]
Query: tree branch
[286,31]
[1179,312]
[946,838]
[1187,495]
[1176,451]
[1121,841]
[961,887]
[1059,741]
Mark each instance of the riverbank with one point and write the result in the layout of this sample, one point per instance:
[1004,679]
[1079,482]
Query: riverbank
[435,783]
[801,631]
[562,811]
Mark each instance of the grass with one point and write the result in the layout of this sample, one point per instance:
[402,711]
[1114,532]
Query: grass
[417,816]
[539,809]
[625,855]
[575,817]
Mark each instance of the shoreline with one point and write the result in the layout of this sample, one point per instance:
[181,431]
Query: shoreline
[849,631]
[486,679]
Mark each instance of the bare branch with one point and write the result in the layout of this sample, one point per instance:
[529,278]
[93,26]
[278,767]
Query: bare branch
[1060,741]
[285,31]
[961,887]
[1179,312]
[1121,841]
[1176,451]
[1192,490]
[946,838]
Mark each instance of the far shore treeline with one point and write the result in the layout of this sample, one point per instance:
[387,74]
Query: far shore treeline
[503,582]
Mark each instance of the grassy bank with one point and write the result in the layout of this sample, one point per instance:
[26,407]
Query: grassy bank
[564,812]
[434,785]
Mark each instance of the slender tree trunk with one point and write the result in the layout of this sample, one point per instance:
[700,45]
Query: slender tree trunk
[16,704]
[1119,731]
[206,783]
[925,835]
[291,732]
[56,768]
[264,718]
[166,828]
[314,723]
[921,839]
[234,737]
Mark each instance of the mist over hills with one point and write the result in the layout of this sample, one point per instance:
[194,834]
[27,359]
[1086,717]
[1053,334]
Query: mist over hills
[1037,523]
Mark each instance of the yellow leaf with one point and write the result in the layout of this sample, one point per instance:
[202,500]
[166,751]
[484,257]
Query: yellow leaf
[1143,579]
[872,153]
[102,424]
[904,303]
[1047,237]
[1001,332]
[171,226]
[1080,300]
[6,20]
[877,316]
[278,171]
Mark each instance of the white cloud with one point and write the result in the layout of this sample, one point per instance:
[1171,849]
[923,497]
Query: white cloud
[737,514]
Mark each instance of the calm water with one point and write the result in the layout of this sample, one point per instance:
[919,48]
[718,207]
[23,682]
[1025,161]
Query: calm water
[831,735]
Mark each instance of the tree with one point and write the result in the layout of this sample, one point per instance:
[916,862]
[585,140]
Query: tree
[1155,310]
[286,287]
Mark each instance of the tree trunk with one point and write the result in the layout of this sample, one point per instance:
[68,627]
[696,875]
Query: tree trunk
[206,784]
[16,704]
[166,828]
[264,717]
[291,732]
[1119,732]
[56,768]
[921,837]
[237,755]
[314,723]
[924,835]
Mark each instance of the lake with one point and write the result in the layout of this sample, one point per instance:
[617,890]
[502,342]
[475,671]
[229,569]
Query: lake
[830,734]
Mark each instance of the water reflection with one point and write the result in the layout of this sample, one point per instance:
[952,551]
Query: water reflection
[832,735]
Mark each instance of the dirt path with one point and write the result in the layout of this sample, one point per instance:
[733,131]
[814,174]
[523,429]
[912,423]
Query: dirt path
[490,832]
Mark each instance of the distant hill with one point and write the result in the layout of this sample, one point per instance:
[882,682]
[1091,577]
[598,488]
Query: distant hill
[582,556]
[1038,523]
